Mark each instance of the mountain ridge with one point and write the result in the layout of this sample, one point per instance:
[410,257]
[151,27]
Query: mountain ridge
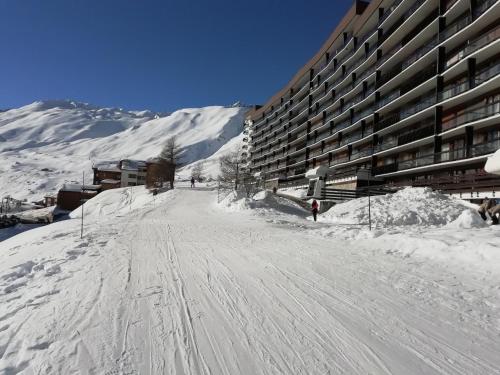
[64,136]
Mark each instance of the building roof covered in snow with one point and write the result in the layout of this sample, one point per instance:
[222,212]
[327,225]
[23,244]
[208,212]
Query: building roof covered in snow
[132,165]
[79,187]
[107,165]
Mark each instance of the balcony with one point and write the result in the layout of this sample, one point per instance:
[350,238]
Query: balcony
[485,148]
[361,154]
[359,115]
[472,46]
[471,115]
[406,137]
[420,52]
[351,138]
[467,19]
[422,104]
[389,11]
[387,121]
[417,162]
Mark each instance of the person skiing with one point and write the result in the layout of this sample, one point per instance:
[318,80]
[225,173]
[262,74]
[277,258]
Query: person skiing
[192,182]
[485,207]
[314,209]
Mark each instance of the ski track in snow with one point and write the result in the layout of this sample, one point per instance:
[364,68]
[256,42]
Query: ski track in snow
[181,287]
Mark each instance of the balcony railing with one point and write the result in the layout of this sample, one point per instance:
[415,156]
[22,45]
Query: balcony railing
[485,148]
[361,154]
[387,121]
[453,90]
[422,104]
[473,46]
[471,115]
[339,160]
[476,150]
[417,162]
[389,11]
[404,138]
[420,52]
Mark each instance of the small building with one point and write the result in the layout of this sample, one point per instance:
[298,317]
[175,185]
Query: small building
[107,174]
[49,200]
[133,172]
[71,196]
[159,172]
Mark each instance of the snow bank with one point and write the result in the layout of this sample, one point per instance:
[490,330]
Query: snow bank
[262,203]
[119,202]
[468,219]
[410,206]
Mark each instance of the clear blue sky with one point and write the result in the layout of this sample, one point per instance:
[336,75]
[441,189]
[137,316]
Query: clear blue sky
[157,54]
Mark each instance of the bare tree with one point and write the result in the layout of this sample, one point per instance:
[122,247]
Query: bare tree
[172,153]
[198,171]
[232,173]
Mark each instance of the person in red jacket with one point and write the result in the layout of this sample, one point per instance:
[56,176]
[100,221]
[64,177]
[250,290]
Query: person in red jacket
[314,209]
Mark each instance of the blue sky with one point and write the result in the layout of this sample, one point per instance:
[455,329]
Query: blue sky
[159,55]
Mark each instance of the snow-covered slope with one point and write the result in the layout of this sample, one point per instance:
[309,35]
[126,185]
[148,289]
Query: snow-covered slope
[175,284]
[45,144]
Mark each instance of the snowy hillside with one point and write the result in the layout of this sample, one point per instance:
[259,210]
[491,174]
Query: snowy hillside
[45,144]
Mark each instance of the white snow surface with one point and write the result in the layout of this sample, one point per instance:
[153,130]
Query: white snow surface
[409,206]
[178,284]
[45,144]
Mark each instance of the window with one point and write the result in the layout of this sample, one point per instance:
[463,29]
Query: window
[130,175]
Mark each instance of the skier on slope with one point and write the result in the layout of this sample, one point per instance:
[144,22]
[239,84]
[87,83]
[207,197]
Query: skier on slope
[192,182]
[485,207]
[314,209]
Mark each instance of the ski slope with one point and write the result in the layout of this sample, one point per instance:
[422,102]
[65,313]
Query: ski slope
[45,144]
[176,284]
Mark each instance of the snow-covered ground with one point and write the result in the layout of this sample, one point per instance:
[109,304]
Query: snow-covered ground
[45,144]
[179,284]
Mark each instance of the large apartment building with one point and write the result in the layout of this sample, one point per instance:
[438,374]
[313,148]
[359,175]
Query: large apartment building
[407,91]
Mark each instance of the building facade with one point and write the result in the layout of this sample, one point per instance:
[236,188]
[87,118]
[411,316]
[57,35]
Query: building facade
[133,172]
[406,90]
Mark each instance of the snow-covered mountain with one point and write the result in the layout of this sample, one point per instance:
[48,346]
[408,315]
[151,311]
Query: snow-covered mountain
[44,144]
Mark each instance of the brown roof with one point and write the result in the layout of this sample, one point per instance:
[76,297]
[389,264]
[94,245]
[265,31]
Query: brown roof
[357,9]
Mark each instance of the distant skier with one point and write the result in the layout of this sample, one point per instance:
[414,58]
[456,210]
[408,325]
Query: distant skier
[314,209]
[485,207]
[192,182]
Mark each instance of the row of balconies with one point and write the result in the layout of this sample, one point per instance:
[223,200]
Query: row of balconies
[430,99]
[462,117]
[452,29]
[476,150]
[422,103]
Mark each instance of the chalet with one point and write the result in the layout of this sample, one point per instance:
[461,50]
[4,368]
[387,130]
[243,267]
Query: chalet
[71,196]
[133,172]
[49,200]
[107,174]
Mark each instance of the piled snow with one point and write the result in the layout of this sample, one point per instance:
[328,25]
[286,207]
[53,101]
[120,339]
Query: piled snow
[120,201]
[300,193]
[46,144]
[410,206]
[468,219]
[263,203]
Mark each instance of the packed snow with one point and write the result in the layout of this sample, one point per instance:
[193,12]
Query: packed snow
[178,283]
[46,144]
